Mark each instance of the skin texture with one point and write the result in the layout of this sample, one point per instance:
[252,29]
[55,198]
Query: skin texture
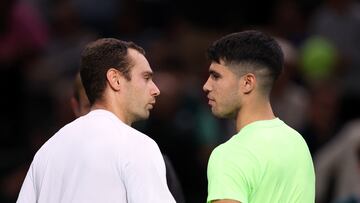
[130,100]
[223,88]
[225,201]
[236,96]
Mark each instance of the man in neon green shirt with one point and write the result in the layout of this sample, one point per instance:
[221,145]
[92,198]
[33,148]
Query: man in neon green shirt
[266,161]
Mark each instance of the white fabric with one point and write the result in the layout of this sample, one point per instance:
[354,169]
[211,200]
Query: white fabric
[97,158]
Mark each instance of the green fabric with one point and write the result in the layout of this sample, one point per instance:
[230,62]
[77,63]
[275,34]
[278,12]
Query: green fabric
[266,162]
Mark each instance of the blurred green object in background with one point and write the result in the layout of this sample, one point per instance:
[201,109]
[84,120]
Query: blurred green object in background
[318,58]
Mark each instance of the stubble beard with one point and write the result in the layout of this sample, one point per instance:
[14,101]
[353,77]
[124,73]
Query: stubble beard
[227,115]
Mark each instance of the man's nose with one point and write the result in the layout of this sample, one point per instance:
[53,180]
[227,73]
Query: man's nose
[206,86]
[155,90]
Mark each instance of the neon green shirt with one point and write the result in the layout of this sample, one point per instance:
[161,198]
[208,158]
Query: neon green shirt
[266,162]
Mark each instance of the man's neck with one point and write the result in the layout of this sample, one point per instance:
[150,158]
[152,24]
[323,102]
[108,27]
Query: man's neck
[254,111]
[112,108]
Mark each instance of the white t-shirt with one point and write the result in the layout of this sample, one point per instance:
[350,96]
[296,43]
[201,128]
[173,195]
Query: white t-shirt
[97,158]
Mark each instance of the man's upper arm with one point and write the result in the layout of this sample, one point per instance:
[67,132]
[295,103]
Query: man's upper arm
[228,179]
[225,201]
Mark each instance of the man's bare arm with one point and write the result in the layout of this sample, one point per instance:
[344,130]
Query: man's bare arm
[225,201]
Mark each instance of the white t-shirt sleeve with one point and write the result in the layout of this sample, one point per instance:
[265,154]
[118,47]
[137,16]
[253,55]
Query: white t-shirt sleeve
[145,176]
[27,193]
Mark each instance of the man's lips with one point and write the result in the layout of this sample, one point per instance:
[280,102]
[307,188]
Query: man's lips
[211,100]
[151,104]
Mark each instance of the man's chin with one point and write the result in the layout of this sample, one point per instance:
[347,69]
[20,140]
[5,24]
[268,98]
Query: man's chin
[141,117]
[218,114]
[223,114]
[144,116]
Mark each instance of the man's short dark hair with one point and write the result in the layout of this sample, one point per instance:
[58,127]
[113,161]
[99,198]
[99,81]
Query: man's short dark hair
[98,57]
[253,49]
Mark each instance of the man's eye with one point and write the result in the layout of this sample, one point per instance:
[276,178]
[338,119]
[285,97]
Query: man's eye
[214,76]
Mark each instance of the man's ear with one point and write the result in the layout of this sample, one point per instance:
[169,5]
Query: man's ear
[248,83]
[114,79]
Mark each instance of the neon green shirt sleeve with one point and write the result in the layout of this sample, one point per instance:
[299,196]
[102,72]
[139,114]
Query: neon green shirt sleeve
[228,179]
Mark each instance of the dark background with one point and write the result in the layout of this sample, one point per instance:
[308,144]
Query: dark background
[41,41]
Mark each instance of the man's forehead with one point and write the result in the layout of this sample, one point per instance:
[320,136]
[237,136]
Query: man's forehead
[216,67]
[147,72]
[140,63]
[142,70]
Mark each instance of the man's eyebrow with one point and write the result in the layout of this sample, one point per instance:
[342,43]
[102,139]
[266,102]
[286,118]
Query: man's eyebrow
[213,72]
[148,73]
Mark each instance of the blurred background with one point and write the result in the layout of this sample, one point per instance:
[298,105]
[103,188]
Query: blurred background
[318,93]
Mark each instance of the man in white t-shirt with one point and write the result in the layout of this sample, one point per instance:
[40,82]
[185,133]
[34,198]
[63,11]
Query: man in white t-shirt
[99,157]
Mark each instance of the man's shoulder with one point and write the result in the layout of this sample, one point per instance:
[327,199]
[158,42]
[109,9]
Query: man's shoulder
[140,137]
[223,150]
[62,134]
[111,124]
[235,152]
